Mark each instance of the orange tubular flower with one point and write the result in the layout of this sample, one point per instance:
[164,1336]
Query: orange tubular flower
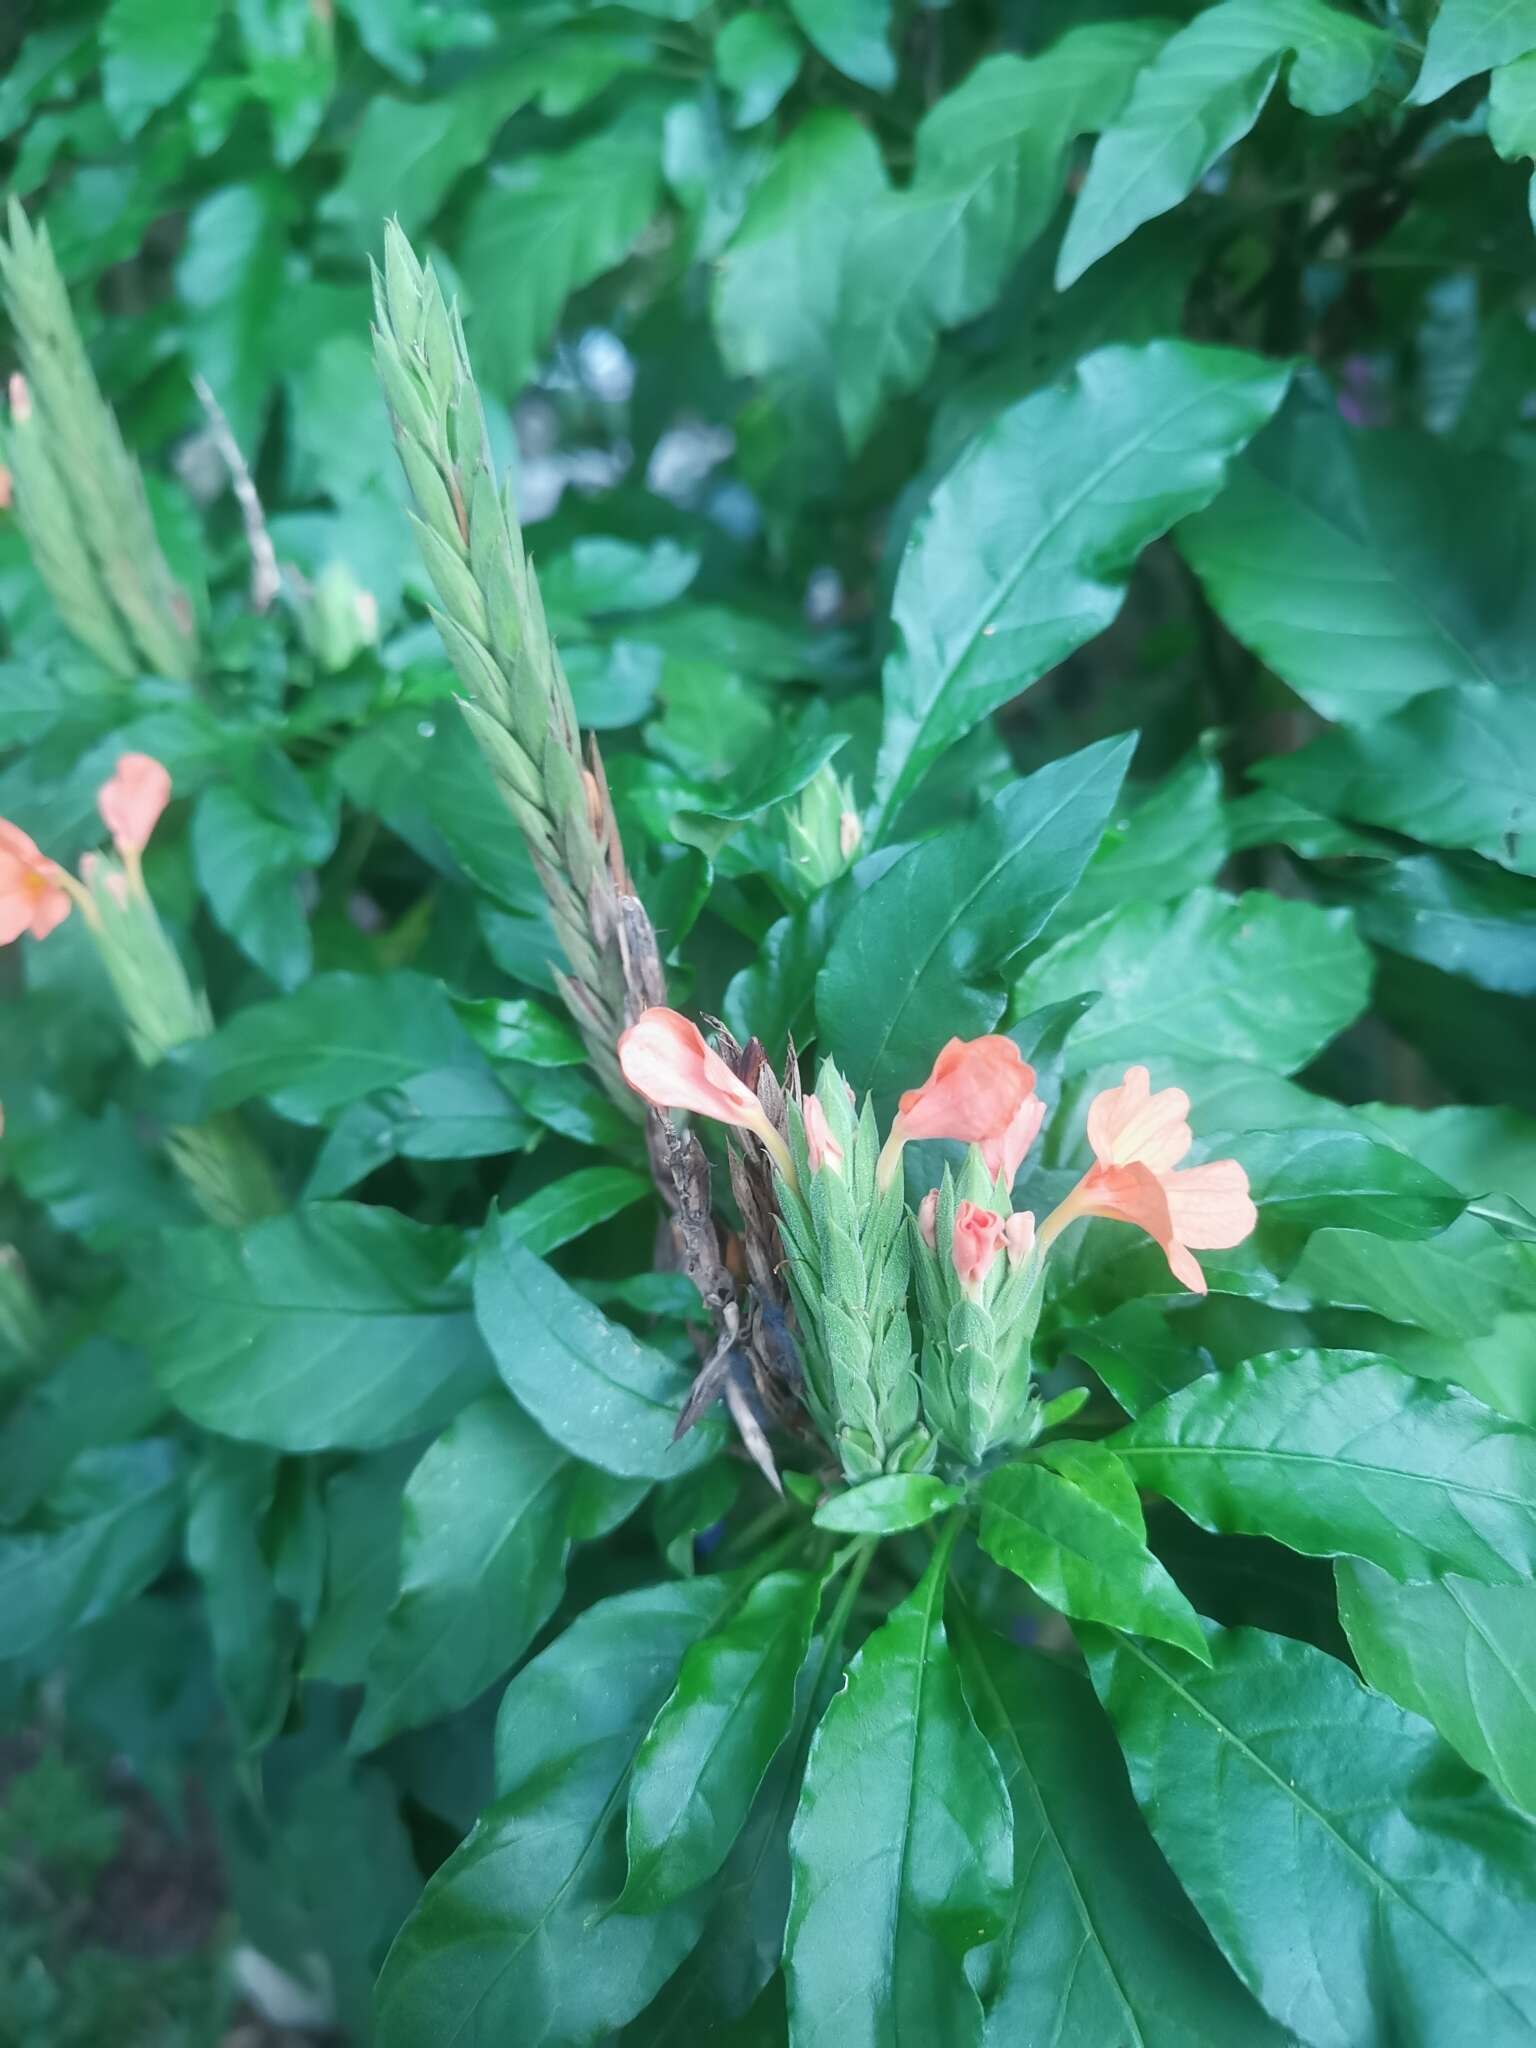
[664,1059]
[979,1092]
[33,897]
[1138,1139]
[979,1237]
[131,802]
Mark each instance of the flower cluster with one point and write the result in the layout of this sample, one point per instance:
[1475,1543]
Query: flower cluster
[36,894]
[977,1263]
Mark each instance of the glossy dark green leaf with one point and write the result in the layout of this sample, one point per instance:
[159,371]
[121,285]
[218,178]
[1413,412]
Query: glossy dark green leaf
[101,1392]
[1203,93]
[104,1533]
[1100,1945]
[854,35]
[1460,1654]
[1367,568]
[1025,547]
[360,1512]
[599,1392]
[1137,1356]
[1388,1896]
[886,1506]
[404,155]
[1457,1284]
[229,278]
[1342,1453]
[705,1755]
[1340,1177]
[918,957]
[230,1495]
[1238,977]
[1453,768]
[1069,1524]
[484,1539]
[901,1847]
[1461,915]
[569,1207]
[333,1326]
[1174,839]
[513,1939]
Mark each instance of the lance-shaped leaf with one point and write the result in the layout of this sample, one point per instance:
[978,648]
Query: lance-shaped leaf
[1069,1524]
[1024,550]
[706,1753]
[1460,1654]
[902,1847]
[1341,1453]
[253,1629]
[484,1539]
[887,1505]
[1369,567]
[1248,977]
[1361,1881]
[335,1326]
[1101,1945]
[1340,1177]
[917,960]
[1467,36]
[599,1392]
[513,1939]
[1453,768]
[1202,93]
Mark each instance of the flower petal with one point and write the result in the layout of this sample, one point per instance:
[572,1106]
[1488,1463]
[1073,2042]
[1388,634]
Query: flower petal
[131,802]
[1130,1126]
[974,1092]
[1210,1205]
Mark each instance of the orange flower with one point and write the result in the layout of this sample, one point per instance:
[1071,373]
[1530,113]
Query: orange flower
[131,802]
[665,1060]
[1005,1154]
[823,1148]
[32,893]
[976,1091]
[977,1241]
[1138,1139]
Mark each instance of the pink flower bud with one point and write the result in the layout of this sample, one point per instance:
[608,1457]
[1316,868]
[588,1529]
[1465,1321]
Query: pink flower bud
[928,1219]
[823,1148]
[131,802]
[850,834]
[977,1241]
[1019,1236]
[21,399]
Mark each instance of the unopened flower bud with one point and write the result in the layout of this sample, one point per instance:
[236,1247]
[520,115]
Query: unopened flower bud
[21,399]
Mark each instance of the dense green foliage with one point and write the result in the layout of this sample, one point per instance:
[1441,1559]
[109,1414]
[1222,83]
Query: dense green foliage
[1036,502]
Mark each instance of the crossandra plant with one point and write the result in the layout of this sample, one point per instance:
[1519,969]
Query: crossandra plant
[768,1187]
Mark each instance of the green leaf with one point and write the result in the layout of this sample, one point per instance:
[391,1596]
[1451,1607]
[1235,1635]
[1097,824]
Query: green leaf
[1024,550]
[778,297]
[1341,1453]
[1391,1894]
[405,155]
[599,1392]
[853,35]
[1174,840]
[1214,977]
[1137,1357]
[361,1519]
[105,1532]
[337,1039]
[98,1393]
[1461,1655]
[901,1846]
[916,961]
[1456,1286]
[1468,36]
[150,50]
[513,1939]
[1069,1525]
[1100,1945]
[254,1632]
[335,1326]
[1453,768]
[1453,912]
[991,160]
[1316,1178]
[230,280]
[1203,93]
[248,866]
[758,59]
[570,1207]
[1366,568]
[484,1540]
[884,1507]
[544,225]
[707,1752]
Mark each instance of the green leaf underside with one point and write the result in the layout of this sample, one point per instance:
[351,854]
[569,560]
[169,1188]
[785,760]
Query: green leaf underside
[901,1847]
[1342,1453]
[1274,1783]
[599,1392]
